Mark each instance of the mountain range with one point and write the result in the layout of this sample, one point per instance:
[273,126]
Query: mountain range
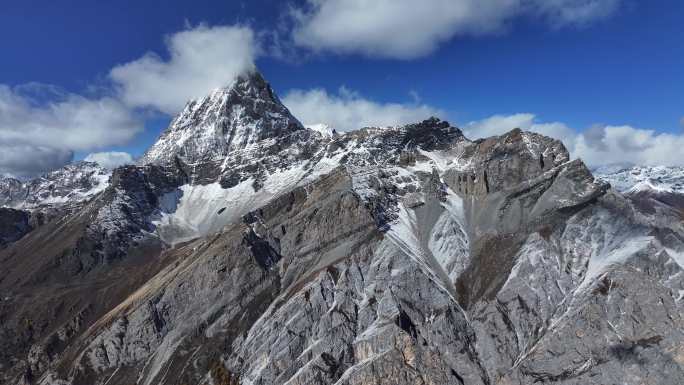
[245,248]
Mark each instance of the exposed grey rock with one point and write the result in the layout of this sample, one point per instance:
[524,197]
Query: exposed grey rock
[247,249]
[624,327]
[11,191]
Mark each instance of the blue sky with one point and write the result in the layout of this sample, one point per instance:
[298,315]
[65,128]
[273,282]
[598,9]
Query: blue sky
[603,75]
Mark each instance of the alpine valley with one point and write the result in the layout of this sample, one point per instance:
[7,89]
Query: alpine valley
[245,248]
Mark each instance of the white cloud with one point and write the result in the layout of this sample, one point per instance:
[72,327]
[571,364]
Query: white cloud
[497,125]
[616,144]
[597,145]
[407,29]
[347,110]
[41,126]
[26,160]
[110,159]
[561,13]
[200,60]
[500,124]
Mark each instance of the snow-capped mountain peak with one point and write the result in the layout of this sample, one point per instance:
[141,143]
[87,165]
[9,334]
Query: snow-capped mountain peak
[228,119]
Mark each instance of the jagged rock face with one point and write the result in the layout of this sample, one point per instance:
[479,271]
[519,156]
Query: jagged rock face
[229,119]
[557,275]
[500,163]
[380,256]
[50,196]
[11,191]
[593,342]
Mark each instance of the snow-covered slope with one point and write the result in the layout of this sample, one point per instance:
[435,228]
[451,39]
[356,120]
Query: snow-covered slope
[229,119]
[268,168]
[633,179]
[322,129]
[195,210]
[74,183]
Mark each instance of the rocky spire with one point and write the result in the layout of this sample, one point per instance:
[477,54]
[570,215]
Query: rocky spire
[228,119]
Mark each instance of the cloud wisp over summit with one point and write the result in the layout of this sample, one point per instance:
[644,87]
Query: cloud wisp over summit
[200,59]
[42,126]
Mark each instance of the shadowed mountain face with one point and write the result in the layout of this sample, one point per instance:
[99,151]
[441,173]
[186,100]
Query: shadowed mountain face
[14,224]
[247,249]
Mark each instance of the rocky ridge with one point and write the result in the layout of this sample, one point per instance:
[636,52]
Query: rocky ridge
[248,249]
[25,205]
[70,185]
[632,179]
[658,192]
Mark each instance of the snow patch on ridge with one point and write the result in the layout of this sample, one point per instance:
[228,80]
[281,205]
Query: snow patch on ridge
[193,211]
[323,129]
[677,256]
[618,255]
[404,235]
[74,183]
[448,241]
[532,147]
[441,160]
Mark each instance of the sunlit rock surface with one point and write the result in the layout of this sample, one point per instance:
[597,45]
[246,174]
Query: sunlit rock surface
[248,249]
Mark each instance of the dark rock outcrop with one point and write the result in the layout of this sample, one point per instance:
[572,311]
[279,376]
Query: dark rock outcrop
[14,224]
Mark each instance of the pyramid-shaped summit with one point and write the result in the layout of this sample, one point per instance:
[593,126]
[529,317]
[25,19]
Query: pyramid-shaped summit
[228,119]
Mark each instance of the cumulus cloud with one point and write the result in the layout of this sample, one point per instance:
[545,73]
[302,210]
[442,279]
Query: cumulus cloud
[348,110]
[616,144]
[200,59]
[110,159]
[41,126]
[597,145]
[404,29]
[500,124]
[25,160]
